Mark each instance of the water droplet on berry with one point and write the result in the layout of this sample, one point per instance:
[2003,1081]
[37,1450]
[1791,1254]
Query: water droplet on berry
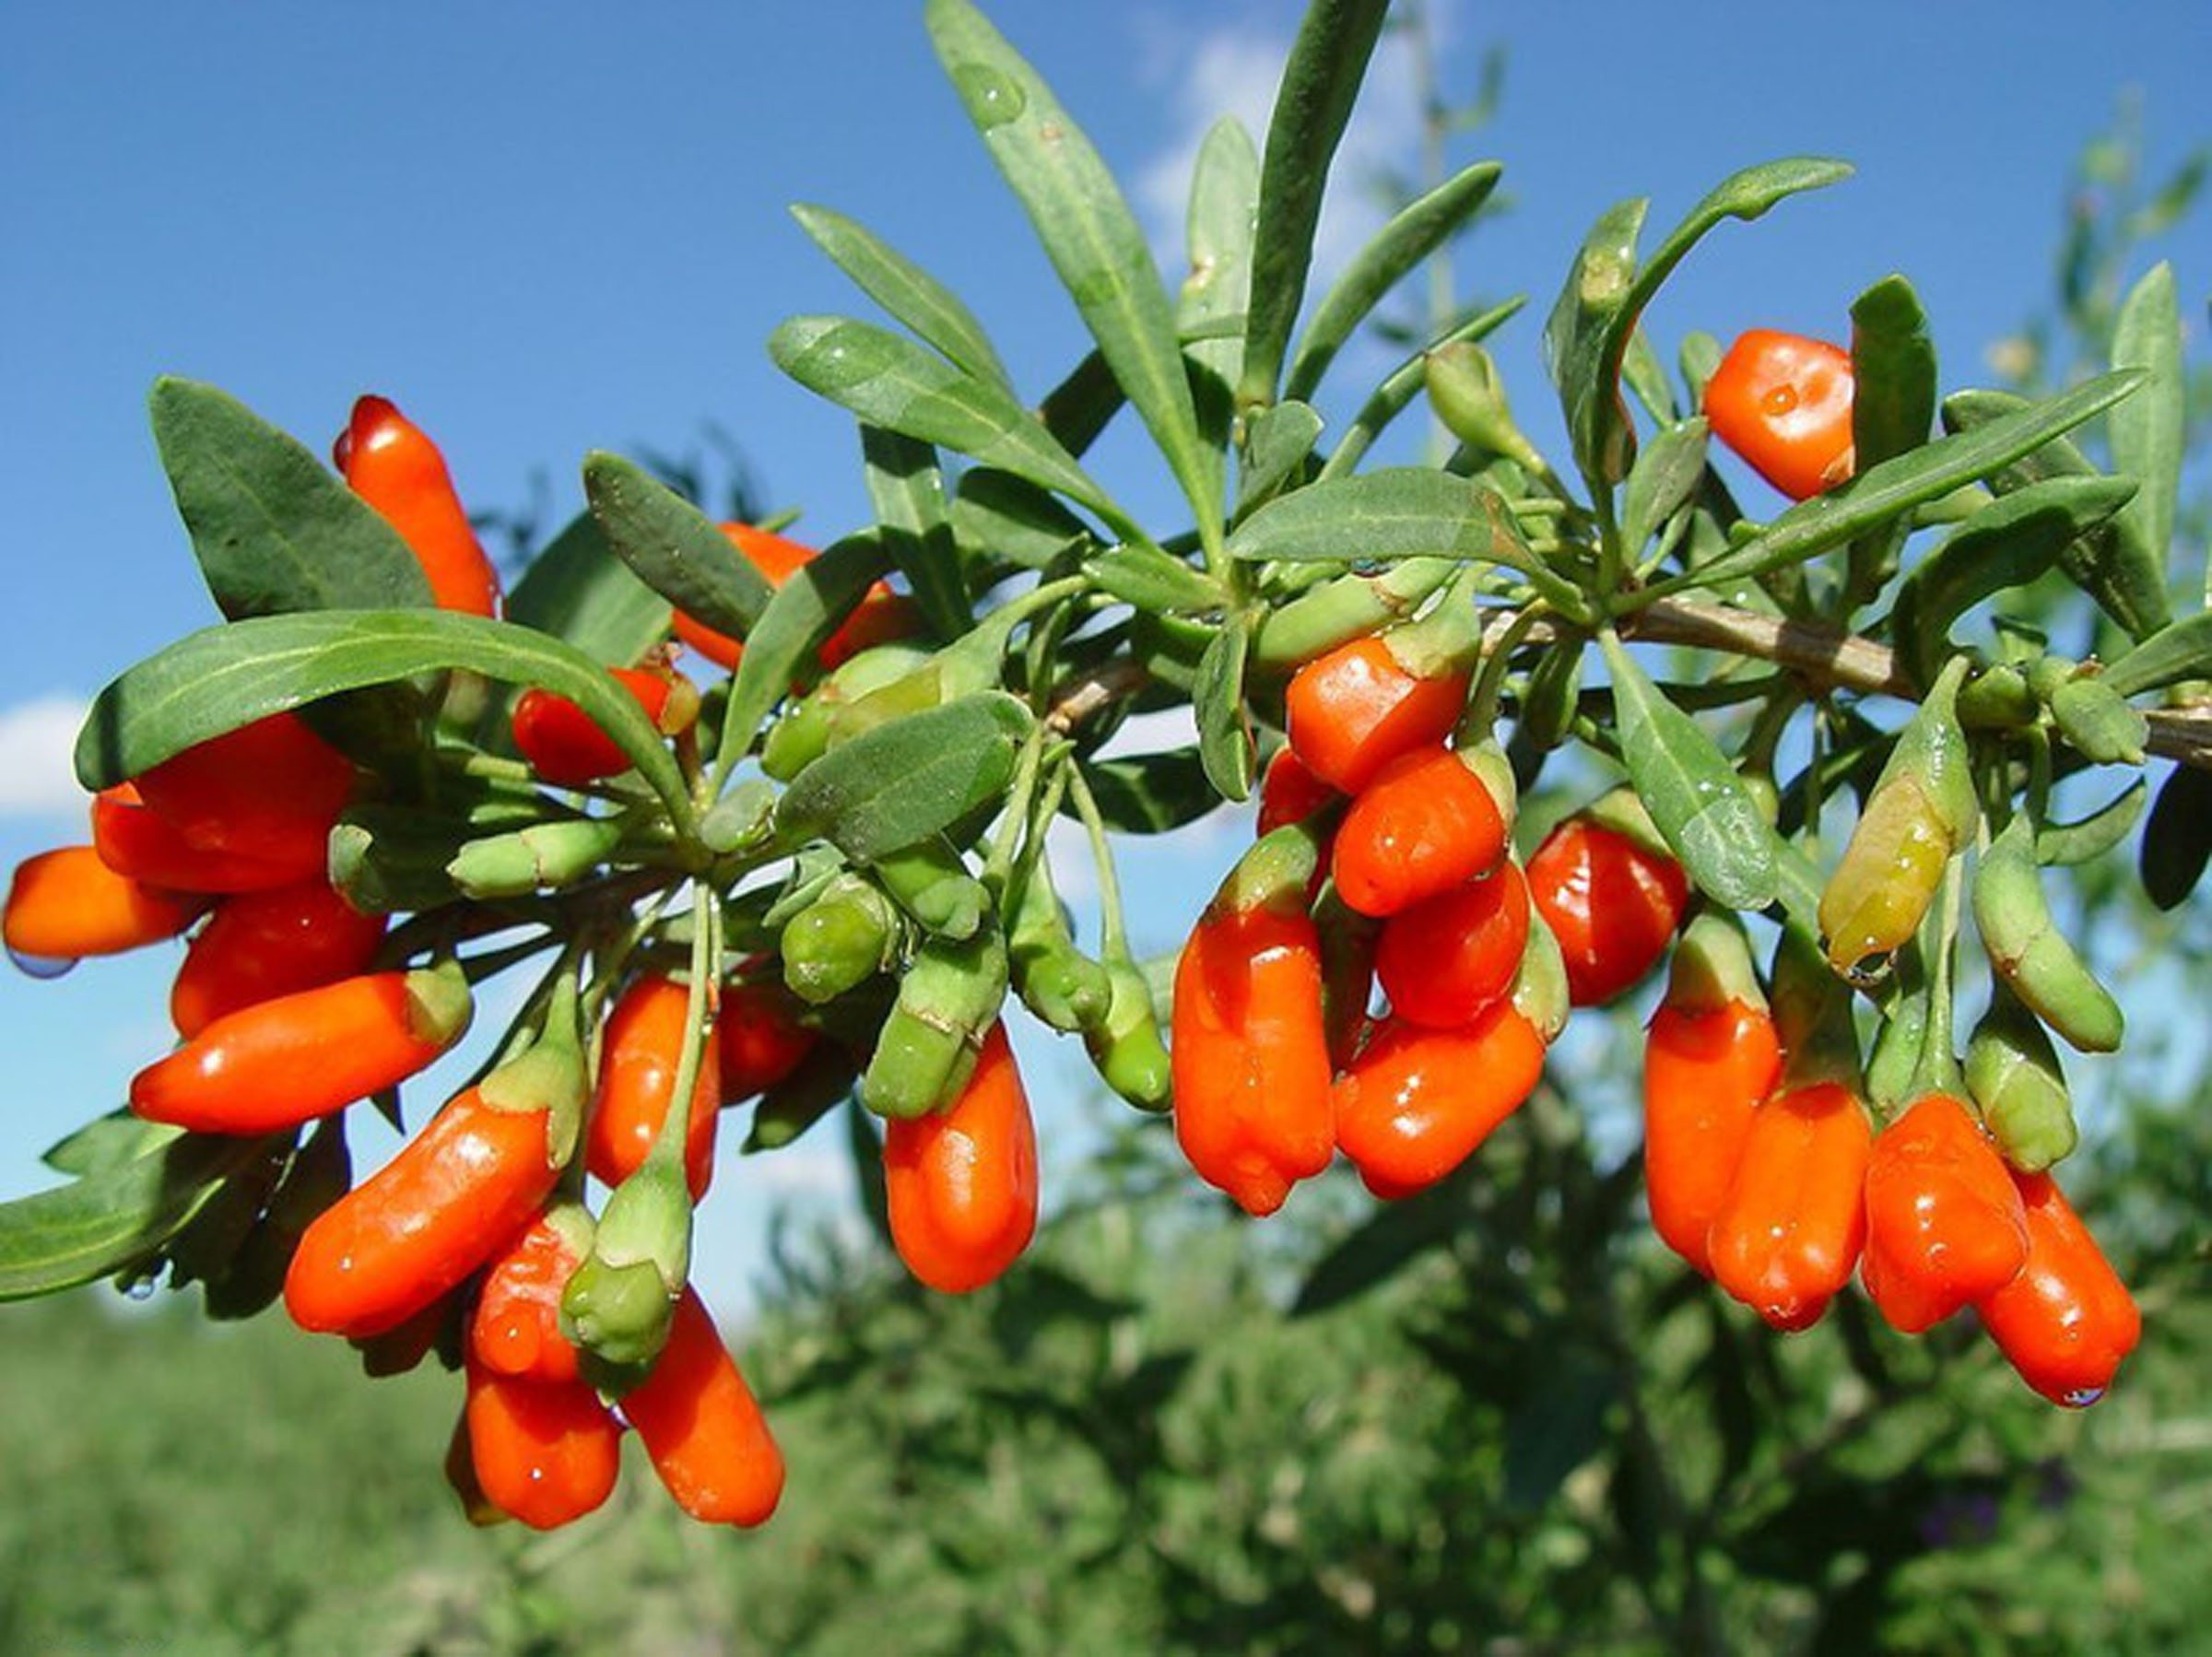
[1779,400]
[42,965]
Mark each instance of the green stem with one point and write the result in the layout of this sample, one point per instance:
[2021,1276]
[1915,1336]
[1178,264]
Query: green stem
[706,967]
[1113,940]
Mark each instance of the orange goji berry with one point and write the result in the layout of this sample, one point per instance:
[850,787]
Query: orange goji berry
[639,1054]
[881,617]
[1444,959]
[702,1428]
[1783,403]
[258,945]
[2066,1321]
[1289,792]
[1705,1070]
[1351,711]
[284,1062]
[1944,1223]
[1612,903]
[1425,824]
[517,1327]
[544,1452]
[1417,1102]
[962,1181]
[389,462]
[66,904]
[1788,1233]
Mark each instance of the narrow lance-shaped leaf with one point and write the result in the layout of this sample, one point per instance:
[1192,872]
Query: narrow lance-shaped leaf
[1893,403]
[1320,81]
[998,515]
[1225,190]
[274,530]
[908,779]
[1874,497]
[2128,588]
[806,609]
[1091,236]
[1277,442]
[903,287]
[1575,337]
[1083,404]
[1695,797]
[891,382]
[1416,230]
[2147,429]
[1396,512]
[221,677]
[675,548]
[578,591]
[1225,742]
[908,492]
[2182,651]
[1664,477]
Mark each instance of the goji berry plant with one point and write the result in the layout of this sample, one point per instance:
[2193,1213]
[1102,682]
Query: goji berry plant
[815,868]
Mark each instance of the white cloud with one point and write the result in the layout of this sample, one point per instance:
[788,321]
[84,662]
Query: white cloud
[36,740]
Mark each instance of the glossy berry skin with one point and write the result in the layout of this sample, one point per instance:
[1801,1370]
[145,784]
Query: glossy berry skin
[1416,1102]
[880,619]
[270,790]
[544,1452]
[456,1194]
[1789,1231]
[1447,958]
[281,1063]
[1289,792]
[1425,824]
[702,1428]
[392,464]
[758,1039]
[1705,1073]
[962,1182]
[1250,1054]
[562,743]
[134,839]
[66,904]
[2067,1321]
[1612,904]
[1944,1227]
[639,1054]
[1784,402]
[517,1327]
[258,945]
[1353,711]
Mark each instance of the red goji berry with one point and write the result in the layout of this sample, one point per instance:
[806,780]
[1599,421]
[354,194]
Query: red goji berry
[1417,1102]
[565,746]
[517,1327]
[702,1428]
[544,1452]
[962,1181]
[1944,1223]
[393,465]
[1788,1233]
[270,790]
[1706,1069]
[1289,792]
[1425,824]
[66,904]
[134,839]
[639,1054]
[758,1039]
[1444,959]
[1353,711]
[2066,1321]
[1783,403]
[258,945]
[1613,905]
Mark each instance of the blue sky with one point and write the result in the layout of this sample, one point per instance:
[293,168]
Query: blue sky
[547,229]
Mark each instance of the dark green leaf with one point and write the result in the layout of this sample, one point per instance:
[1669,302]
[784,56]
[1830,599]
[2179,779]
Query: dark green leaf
[221,677]
[864,1142]
[2182,651]
[1150,580]
[1225,741]
[1576,338]
[273,529]
[1091,236]
[1883,492]
[1661,483]
[996,515]
[1416,230]
[1277,442]
[908,779]
[1893,403]
[1327,62]
[1558,1426]
[1081,405]
[2177,841]
[2129,588]
[674,549]
[578,591]
[1225,191]
[893,382]
[105,1142]
[810,605]
[2064,844]
[2008,543]
[1695,796]
[1150,794]
[908,492]
[903,287]
[116,1217]
[2146,429]
[1398,512]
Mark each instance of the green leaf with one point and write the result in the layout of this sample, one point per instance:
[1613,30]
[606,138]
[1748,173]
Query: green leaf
[1397,513]
[221,677]
[903,287]
[1083,404]
[674,549]
[863,1144]
[1695,799]
[117,1216]
[1091,236]
[1661,483]
[2010,543]
[1416,230]
[1277,442]
[1320,81]
[908,779]
[1150,794]
[893,382]
[1150,580]
[1399,1234]
[106,1142]
[1882,492]
[2128,587]
[1225,193]
[1404,383]
[1645,375]
[273,529]
[998,515]
[1559,1424]
[578,591]
[2177,841]
[2064,844]
[1225,741]
[814,599]
[908,492]
[2146,430]
[2178,651]
[1893,405]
